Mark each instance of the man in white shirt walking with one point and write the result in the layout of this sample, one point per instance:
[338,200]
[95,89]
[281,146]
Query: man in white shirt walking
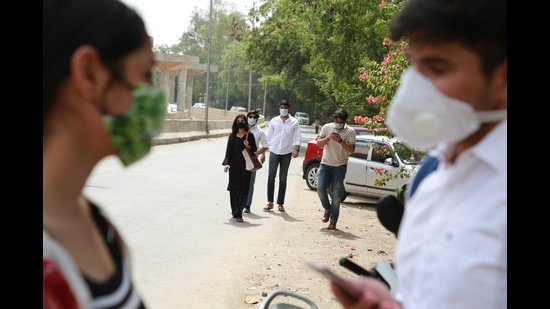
[284,137]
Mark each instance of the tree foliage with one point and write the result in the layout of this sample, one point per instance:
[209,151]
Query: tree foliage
[308,51]
[225,53]
[381,81]
[315,46]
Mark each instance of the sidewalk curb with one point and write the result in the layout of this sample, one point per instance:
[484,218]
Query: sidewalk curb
[182,137]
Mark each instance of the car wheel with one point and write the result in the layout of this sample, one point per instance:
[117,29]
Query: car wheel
[311,176]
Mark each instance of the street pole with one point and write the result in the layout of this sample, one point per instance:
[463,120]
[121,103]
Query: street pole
[206,103]
[227,90]
[249,88]
[250,72]
[265,94]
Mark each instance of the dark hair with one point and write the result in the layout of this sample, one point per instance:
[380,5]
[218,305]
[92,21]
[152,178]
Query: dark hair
[254,112]
[284,102]
[340,113]
[480,25]
[108,25]
[234,128]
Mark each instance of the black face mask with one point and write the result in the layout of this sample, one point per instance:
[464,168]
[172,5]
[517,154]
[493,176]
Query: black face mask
[241,125]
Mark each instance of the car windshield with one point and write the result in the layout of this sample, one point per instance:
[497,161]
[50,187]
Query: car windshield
[408,155]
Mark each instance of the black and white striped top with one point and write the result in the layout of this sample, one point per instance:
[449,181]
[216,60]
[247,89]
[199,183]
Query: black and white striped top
[65,286]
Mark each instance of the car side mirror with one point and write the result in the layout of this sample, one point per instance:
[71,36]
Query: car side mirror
[391,162]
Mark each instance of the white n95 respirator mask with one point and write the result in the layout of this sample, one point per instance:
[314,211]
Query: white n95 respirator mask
[422,116]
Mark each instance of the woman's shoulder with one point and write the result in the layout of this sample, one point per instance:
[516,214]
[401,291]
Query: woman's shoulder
[62,283]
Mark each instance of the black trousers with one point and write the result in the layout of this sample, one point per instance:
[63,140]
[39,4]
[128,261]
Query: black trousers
[237,200]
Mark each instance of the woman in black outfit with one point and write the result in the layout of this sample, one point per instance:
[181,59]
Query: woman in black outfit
[239,177]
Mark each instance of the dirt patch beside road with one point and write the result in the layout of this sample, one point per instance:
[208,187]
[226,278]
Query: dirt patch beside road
[273,260]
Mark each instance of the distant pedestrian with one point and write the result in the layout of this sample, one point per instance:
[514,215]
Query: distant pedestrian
[261,144]
[337,140]
[239,177]
[284,137]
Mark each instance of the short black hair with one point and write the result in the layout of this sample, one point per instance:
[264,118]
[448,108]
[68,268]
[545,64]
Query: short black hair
[481,25]
[340,113]
[254,112]
[111,26]
[284,102]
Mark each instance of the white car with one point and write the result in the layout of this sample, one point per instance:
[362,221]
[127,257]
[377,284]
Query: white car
[172,108]
[303,118]
[238,109]
[369,156]
[201,105]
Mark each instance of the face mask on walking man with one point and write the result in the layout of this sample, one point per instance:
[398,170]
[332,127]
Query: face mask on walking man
[338,141]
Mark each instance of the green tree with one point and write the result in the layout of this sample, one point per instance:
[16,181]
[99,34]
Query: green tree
[314,48]
[194,42]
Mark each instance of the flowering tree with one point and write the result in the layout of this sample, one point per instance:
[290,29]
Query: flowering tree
[382,80]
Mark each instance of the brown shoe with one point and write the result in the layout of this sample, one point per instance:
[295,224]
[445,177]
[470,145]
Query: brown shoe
[326,215]
[268,207]
[332,225]
[281,208]
[239,219]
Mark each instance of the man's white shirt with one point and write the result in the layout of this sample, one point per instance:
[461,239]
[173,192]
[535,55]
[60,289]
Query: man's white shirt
[452,249]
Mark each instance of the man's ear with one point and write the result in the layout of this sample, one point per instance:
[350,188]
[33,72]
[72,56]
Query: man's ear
[87,71]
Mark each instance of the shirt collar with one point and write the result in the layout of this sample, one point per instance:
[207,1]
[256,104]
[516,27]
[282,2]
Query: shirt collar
[493,148]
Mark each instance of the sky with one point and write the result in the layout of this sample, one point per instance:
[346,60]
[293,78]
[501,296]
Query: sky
[166,20]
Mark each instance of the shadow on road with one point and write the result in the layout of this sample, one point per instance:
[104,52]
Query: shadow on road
[360,202]
[339,233]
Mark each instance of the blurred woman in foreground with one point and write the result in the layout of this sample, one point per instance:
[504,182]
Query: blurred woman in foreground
[98,101]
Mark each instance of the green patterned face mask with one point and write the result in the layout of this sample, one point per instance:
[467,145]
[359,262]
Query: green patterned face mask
[132,132]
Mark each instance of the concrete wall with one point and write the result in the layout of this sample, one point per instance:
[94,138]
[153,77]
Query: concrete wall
[193,120]
[189,125]
[197,113]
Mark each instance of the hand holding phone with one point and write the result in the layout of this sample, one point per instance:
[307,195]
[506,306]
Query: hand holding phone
[332,276]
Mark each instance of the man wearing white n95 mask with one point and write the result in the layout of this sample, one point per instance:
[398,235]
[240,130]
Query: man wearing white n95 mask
[452,250]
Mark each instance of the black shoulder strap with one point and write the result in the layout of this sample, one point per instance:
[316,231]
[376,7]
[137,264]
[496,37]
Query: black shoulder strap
[429,165]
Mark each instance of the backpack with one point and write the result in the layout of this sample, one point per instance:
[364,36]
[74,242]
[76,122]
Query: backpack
[429,165]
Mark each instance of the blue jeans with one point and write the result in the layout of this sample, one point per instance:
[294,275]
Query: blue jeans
[250,190]
[274,161]
[331,178]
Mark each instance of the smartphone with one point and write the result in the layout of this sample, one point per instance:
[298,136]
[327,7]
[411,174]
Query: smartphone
[332,276]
